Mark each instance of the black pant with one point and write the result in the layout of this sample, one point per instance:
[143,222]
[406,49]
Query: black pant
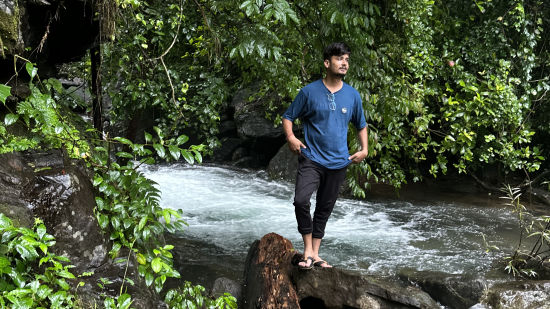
[310,177]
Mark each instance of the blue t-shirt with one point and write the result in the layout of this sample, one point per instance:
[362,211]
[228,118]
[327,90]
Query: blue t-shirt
[326,123]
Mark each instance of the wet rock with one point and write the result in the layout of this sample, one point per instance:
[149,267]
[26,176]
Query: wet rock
[267,282]
[283,165]
[201,262]
[338,288]
[225,285]
[454,291]
[227,128]
[228,146]
[59,192]
[249,116]
[513,295]
[13,176]
[273,281]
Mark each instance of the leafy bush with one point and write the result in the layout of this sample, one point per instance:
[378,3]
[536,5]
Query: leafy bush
[191,296]
[31,276]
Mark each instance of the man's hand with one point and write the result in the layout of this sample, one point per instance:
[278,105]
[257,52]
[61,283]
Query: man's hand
[295,145]
[359,156]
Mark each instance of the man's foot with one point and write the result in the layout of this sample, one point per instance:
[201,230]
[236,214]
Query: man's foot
[321,264]
[306,263]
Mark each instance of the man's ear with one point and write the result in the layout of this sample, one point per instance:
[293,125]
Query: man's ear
[327,63]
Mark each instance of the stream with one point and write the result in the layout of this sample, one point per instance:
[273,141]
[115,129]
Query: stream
[227,209]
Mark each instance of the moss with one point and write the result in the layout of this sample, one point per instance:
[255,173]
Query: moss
[9,34]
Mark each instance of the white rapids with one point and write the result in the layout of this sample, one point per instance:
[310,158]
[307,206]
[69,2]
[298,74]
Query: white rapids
[231,208]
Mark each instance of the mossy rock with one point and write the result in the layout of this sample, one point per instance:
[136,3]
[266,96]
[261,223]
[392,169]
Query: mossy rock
[9,28]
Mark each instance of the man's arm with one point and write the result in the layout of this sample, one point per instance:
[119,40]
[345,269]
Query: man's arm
[294,143]
[364,141]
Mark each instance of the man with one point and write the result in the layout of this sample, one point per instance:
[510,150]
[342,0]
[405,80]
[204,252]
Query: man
[325,108]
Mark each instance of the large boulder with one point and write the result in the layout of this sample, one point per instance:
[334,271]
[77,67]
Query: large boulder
[338,288]
[272,280]
[250,118]
[283,165]
[247,138]
[58,191]
[454,291]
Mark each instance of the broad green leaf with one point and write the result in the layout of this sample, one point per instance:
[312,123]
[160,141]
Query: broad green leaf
[167,216]
[103,221]
[174,151]
[5,222]
[124,301]
[41,231]
[156,264]
[187,156]
[182,139]
[148,137]
[141,259]
[160,150]
[5,92]
[142,222]
[123,140]
[56,84]
[159,132]
[43,291]
[10,118]
[31,70]
[149,277]
[57,298]
[198,156]
[124,154]
[26,252]
[65,274]
[4,262]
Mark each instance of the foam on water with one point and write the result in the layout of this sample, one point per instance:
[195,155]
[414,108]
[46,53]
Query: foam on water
[232,208]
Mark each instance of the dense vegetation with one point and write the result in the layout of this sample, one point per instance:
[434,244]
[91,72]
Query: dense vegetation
[448,86]
[456,86]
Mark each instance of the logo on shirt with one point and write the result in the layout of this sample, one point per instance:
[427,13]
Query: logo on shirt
[344,110]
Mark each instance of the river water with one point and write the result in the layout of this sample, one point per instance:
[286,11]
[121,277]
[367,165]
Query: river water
[228,209]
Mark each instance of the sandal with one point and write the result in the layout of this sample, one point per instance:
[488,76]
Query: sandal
[320,264]
[309,258]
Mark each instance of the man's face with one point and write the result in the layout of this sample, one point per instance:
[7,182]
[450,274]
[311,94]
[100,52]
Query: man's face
[337,65]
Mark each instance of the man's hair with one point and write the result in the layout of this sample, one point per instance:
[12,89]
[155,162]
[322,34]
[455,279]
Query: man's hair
[336,49]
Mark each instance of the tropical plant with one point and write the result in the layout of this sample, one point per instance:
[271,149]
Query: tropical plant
[526,262]
[31,275]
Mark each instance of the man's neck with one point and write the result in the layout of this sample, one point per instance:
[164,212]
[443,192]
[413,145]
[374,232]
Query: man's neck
[333,83]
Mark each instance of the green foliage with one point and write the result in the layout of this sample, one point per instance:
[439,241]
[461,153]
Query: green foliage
[127,203]
[31,276]
[47,122]
[193,296]
[160,65]
[435,97]
[447,86]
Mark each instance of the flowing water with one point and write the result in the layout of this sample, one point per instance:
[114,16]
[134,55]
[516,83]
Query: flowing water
[228,209]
